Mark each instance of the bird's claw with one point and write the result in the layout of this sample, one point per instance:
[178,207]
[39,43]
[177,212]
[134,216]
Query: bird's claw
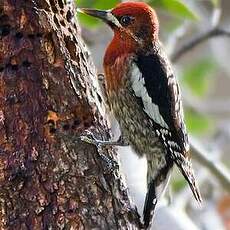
[89,138]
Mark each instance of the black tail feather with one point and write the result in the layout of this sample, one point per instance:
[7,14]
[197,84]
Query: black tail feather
[187,171]
[150,204]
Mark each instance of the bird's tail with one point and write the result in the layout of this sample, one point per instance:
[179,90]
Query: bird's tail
[156,188]
[150,204]
[187,171]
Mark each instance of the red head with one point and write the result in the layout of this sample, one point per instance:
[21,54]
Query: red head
[136,18]
[135,27]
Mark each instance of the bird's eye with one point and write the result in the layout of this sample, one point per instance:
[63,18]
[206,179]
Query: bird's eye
[125,20]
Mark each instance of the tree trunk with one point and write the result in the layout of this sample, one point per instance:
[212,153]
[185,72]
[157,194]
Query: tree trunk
[49,179]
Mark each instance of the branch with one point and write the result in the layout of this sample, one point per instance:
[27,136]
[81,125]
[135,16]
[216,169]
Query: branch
[215,167]
[215,32]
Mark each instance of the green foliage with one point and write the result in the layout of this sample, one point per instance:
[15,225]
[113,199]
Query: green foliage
[175,7]
[97,4]
[215,3]
[100,4]
[178,183]
[172,25]
[197,123]
[197,76]
[88,21]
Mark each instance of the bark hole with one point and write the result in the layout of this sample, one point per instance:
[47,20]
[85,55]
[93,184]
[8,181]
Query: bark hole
[5,30]
[60,3]
[56,21]
[31,36]
[19,35]
[12,67]
[53,6]
[26,63]
[69,16]
[63,23]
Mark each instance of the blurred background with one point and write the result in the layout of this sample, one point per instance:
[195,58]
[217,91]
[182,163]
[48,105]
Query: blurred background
[196,35]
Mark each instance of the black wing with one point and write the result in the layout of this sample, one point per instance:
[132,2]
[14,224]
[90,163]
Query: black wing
[163,89]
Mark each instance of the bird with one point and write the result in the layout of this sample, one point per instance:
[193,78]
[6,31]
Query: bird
[144,96]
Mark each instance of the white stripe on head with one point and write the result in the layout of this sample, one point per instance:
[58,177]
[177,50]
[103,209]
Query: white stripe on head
[113,19]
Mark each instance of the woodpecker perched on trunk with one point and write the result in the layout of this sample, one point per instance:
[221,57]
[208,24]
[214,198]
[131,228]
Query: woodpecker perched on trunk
[144,95]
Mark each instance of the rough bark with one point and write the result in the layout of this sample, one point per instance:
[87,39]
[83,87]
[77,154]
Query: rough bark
[48,178]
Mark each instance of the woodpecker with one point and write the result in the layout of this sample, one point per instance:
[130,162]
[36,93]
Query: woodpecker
[145,98]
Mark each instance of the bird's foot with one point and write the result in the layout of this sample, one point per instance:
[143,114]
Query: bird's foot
[90,138]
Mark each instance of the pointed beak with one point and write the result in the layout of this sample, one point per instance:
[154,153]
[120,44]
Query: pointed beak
[101,14]
[104,15]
